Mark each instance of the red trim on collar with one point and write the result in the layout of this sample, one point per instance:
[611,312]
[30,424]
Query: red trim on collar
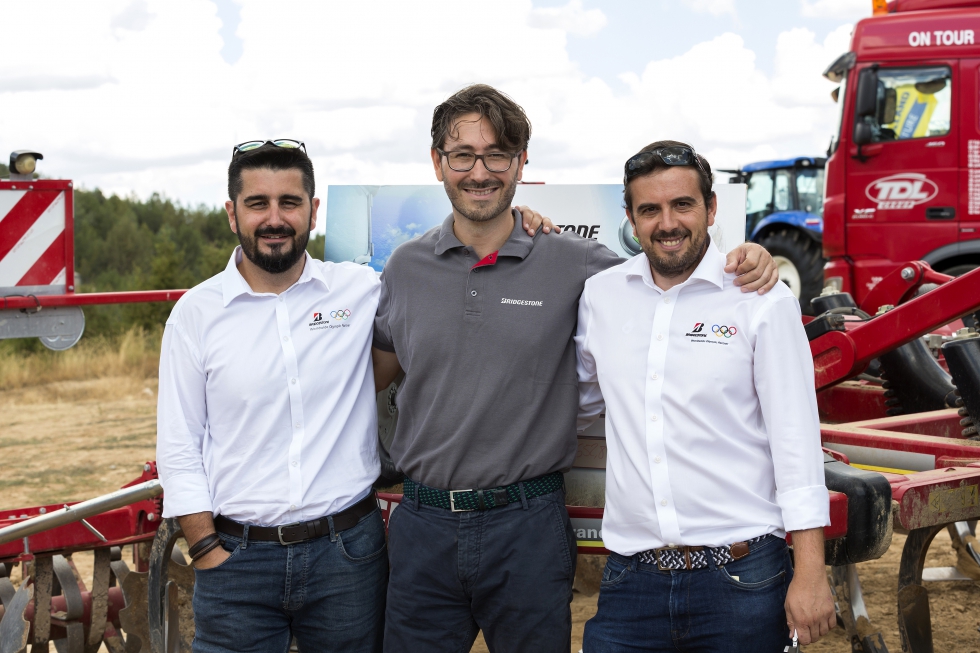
[489,259]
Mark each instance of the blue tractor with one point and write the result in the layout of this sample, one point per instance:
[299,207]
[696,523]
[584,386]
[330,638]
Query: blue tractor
[784,214]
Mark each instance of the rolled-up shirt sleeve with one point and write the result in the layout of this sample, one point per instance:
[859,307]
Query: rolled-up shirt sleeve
[590,401]
[181,425]
[785,385]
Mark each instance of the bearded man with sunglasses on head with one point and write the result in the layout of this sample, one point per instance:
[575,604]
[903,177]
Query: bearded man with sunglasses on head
[267,428]
[712,433]
[480,316]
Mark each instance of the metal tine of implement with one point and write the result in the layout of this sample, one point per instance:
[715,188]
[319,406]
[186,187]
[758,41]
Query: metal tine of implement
[14,628]
[171,633]
[7,589]
[100,598]
[43,588]
[74,606]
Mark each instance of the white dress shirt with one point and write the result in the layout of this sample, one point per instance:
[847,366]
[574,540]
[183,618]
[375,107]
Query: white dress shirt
[712,431]
[267,411]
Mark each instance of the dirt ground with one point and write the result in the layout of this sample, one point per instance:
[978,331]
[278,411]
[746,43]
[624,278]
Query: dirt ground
[74,440]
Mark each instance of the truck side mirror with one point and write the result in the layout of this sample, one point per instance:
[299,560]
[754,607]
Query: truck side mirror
[867,93]
[862,133]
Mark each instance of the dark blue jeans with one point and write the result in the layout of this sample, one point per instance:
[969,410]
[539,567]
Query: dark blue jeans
[328,592]
[730,609]
[507,571]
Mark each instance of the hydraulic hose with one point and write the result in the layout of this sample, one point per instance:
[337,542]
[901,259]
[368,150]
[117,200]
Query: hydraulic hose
[914,381]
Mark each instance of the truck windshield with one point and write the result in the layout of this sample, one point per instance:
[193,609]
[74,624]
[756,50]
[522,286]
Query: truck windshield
[809,188]
[912,103]
[841,97]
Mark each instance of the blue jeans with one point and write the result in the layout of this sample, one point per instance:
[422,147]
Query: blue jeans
[507,571]
[328,592]
[729,609]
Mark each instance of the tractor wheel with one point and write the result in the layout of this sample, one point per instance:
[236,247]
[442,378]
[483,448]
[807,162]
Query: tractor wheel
[387,421]
[800,261]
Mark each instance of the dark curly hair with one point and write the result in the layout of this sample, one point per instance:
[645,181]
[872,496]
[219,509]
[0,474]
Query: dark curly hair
[507,117]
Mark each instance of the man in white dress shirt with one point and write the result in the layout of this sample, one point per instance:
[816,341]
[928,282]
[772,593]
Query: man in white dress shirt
[267,428]
[712,435]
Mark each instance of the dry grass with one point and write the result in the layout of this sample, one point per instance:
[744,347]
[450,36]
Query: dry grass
[134,354]
[78,423]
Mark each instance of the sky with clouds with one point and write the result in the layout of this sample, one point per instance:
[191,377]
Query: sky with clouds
[143,96]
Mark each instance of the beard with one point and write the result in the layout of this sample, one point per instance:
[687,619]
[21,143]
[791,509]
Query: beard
[457,197]
[283,255]
[673,264]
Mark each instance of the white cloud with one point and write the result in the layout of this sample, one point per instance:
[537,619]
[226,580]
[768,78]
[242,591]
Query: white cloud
[136,97]
[850,10]
[800,60]
[135,17]
[713,7]
[571,18]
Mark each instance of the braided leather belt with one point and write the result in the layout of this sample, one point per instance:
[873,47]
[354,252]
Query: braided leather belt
[696,557]
[467,500]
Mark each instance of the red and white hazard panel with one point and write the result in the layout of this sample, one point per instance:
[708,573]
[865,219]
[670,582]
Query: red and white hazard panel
[36,237]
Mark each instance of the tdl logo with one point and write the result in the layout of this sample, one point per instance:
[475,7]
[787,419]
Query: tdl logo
[901,191]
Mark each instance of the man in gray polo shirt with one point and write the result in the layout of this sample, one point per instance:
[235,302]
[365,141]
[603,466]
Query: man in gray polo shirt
[480,316]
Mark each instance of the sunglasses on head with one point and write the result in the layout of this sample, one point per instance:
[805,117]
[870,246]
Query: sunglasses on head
[287,143]
[673,155]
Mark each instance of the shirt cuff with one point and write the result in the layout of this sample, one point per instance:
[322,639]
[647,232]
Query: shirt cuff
[186,494]
[805,508]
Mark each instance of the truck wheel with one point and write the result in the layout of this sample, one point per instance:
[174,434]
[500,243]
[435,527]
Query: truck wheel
[800,261]
[958,271]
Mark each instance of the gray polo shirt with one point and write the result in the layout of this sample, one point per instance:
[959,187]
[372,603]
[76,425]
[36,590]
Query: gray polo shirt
[490,395]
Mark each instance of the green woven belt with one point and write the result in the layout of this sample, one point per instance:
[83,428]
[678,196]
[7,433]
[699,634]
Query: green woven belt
[466,500]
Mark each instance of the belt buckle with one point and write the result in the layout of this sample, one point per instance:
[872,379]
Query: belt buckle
[656,553]
[452,501]
[279,531]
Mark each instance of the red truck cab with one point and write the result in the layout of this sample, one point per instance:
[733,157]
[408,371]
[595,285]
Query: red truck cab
[903,175]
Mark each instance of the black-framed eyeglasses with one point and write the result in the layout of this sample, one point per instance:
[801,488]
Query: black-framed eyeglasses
[673,155]
[493,162]
[287,143]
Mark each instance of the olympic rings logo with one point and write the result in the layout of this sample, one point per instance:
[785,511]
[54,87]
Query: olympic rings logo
[340,315]
[726,331]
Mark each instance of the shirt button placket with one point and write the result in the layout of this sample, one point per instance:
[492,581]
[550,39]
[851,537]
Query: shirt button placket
[475,283]
[294,390]
[656,445]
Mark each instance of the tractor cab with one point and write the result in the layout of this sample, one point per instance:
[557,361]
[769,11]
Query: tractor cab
[784,214]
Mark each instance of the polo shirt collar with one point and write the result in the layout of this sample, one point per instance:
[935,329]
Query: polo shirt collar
[518,244]
[710,269]
[447,238]
[233,284]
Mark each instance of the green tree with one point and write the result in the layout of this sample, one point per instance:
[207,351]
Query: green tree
[124,243]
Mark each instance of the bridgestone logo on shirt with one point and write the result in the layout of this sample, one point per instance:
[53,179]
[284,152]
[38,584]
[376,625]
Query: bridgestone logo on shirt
[522,302]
